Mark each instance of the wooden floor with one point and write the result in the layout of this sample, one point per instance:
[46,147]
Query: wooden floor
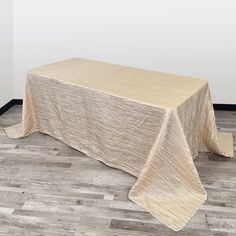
[47,188]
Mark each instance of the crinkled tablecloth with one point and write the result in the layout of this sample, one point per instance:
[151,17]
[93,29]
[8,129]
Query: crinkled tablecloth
[149,124]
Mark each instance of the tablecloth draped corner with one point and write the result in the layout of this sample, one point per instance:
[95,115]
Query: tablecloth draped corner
[163,172]
[14,131]
[225,142]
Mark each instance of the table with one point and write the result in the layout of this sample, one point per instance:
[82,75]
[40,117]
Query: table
[149,124]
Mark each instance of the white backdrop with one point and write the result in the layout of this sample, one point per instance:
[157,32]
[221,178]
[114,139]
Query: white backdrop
[189,37]
[6,83]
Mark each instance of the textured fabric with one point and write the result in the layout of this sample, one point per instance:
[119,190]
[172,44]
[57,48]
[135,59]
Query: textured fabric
[151,125]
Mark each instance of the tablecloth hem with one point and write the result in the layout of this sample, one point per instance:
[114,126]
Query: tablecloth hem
[164,221]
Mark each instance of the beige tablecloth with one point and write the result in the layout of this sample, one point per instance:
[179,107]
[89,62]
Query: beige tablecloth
[151,125]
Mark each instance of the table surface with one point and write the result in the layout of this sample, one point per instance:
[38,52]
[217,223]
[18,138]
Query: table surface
[154,88]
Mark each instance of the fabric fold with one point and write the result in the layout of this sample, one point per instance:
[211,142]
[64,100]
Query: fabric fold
[28,124]
[169,186]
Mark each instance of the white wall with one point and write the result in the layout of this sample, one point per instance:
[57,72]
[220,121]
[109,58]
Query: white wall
[6,63]
[189,37]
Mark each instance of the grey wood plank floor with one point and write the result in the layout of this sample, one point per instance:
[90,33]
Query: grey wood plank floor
[47,188]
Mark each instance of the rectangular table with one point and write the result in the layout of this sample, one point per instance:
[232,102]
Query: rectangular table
[149,124]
